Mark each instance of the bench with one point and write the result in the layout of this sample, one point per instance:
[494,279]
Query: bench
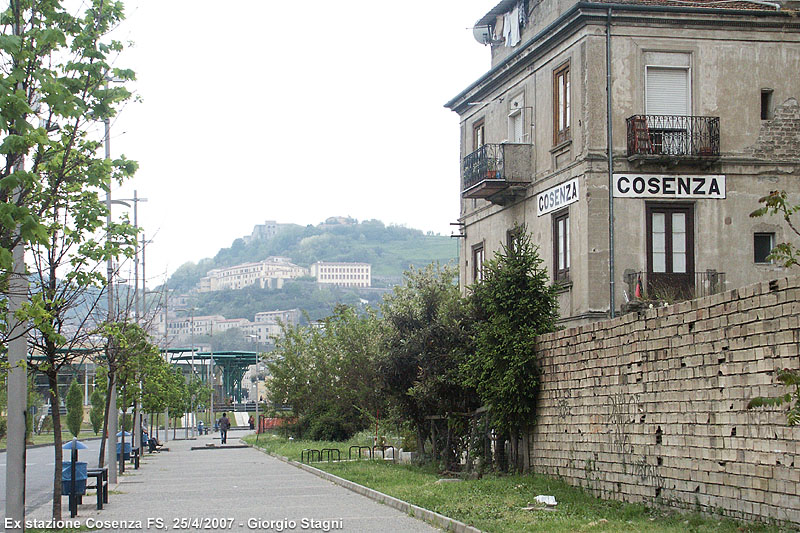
[100,476]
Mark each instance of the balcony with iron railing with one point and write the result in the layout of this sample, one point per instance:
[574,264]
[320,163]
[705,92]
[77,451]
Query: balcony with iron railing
[674,138]
[674,287]
[496,171]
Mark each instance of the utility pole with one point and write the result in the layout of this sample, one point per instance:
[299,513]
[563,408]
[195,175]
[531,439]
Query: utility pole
[111,450]
[211,370]
[166,354]
[17,358]
[137,423]
[194,416]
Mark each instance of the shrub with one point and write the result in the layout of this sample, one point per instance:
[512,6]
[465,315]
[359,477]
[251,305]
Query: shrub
[74,408]
[98,400]
[334,423]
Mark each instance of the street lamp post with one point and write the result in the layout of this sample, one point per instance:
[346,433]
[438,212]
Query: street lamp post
[111,451]
[137,426]
[256,370]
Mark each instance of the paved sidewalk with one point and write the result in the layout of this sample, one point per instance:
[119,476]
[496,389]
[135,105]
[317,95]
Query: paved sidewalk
[249,489]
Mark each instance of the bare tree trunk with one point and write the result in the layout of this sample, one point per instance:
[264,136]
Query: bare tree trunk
[516,457]
[526,449]
[52,380]
[102,459]
[500,452]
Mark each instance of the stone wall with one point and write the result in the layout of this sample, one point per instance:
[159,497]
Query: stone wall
[779,138]
[651,406]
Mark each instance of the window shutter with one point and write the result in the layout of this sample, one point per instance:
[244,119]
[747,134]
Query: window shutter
[667,91]
[516,127]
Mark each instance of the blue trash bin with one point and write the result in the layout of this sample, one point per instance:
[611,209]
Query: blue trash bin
[80,478]
[127,455]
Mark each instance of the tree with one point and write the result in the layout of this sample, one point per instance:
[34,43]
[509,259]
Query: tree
[98,402]
[513,304]
[428,337]
[328,374]
[74,408]
[52,93]
[177,394]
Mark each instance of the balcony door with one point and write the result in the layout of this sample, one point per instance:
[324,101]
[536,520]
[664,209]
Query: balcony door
[670,251]
[667,94]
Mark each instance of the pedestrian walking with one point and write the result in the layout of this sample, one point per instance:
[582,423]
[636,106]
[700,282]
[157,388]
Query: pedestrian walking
[252,422]
[224,426]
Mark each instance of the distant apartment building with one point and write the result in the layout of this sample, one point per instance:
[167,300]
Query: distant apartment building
[185,326]
[267,324]
[269,273]
[342,274]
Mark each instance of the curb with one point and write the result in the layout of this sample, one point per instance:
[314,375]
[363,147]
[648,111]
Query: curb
[31,446]
[439,520]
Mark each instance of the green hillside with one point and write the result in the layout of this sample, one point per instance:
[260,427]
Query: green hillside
[389,249]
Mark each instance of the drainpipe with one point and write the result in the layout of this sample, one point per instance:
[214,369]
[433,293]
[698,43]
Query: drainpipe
[611,303]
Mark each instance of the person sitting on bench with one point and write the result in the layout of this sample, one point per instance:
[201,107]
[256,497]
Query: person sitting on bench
[152,443]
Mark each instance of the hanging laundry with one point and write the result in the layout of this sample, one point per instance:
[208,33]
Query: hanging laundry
[523,13]
[507,28]
[498,28]
[513,32]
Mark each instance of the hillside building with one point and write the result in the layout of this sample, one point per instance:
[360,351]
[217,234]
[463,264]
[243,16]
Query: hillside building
[342,274]
[265,327]
[267,324]
[267,274]
[261,232]
[701,120]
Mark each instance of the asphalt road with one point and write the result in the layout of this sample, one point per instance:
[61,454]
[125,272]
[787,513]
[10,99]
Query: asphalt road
[39,464]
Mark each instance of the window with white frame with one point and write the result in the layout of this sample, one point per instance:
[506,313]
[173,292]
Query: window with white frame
[561,254]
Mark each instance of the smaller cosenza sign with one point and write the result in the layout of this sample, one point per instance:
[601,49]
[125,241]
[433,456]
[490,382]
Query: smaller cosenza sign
[557,197]
[669,186]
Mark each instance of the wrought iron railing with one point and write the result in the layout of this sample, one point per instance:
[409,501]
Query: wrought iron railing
[673,136]
[485,163]
[674,287]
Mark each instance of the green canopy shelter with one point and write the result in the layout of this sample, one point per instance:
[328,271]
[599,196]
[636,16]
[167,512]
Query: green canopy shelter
[233,364]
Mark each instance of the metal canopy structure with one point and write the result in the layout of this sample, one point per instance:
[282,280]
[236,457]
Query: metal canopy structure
[233,365]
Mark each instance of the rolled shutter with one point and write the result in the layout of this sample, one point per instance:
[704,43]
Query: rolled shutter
[667,91]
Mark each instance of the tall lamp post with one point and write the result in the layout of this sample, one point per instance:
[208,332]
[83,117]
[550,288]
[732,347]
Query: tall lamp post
[256,395]
[137,426]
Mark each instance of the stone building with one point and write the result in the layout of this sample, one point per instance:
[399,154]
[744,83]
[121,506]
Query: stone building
[704,121]
[342,274]
[267,274]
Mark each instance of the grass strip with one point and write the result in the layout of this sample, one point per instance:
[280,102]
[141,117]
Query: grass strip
[506,503]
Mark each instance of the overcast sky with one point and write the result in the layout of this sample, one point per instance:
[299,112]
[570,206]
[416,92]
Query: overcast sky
[257,110]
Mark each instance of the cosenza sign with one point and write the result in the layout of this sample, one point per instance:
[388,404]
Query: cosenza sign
[557,197]
[669,186]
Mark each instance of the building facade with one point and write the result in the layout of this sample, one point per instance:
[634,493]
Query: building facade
[704,120]
[267,324]
[267,274]
[265,327]
[342,274]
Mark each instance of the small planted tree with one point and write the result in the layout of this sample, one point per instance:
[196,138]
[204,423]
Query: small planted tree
[74,408]
[98,401]
[513,304]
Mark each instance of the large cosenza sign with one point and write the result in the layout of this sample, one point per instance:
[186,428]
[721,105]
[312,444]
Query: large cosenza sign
[557,197]
[669,186]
